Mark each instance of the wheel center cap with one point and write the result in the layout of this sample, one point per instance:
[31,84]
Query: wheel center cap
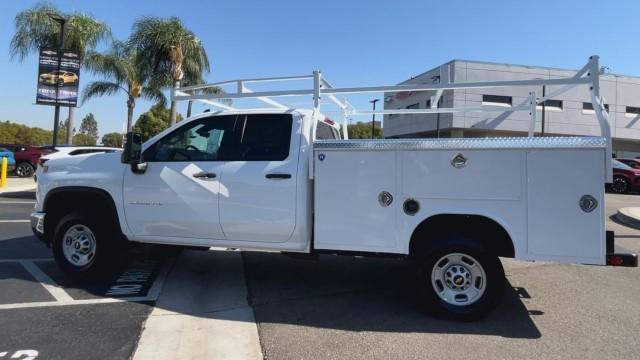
[458,280]
[76,245]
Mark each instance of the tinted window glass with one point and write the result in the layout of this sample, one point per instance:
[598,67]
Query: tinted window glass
[497,99]
[201,140]
[618,165]
[262,137]
[325,132]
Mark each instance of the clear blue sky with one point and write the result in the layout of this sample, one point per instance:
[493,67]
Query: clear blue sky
[352,42]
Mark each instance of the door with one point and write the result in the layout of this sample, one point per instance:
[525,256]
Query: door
[258,183]
[565,207]
[177,198]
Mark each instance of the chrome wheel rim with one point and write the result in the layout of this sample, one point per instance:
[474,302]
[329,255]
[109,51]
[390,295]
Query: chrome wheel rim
[23,170]
[79,245]
[458,279]
[619,185]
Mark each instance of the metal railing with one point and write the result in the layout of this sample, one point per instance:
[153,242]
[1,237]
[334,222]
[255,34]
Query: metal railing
[588,75]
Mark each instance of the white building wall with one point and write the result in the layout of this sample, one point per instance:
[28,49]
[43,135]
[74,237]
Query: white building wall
[618,91]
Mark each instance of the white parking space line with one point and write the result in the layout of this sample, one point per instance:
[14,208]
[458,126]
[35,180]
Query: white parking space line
[72,302]
[54,289]
[60,294]
[17,202]
[14,221]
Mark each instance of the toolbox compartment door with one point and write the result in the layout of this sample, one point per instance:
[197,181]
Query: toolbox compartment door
[559,184]
[348,215]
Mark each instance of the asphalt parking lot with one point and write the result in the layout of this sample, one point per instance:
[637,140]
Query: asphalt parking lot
[46,315]
[330,308]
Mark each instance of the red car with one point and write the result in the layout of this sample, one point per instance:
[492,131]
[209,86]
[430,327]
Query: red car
[634,163]
[625,177]
[27,157]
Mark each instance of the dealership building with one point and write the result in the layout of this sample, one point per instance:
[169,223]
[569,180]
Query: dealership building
[569,114]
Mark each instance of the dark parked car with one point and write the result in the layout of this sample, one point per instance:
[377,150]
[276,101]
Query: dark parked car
[27,157]
[625,177]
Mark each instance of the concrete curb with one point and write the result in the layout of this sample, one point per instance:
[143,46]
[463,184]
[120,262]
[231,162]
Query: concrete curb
[13,189]
[629,216]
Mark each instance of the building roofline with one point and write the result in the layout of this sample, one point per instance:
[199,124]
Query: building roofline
[452,61]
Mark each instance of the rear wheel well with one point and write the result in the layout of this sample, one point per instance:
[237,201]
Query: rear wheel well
[438,228]
[62,201]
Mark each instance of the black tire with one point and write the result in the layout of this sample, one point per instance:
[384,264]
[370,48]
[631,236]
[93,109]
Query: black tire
[24,169]
[620,185]
[493,280]
[108,244]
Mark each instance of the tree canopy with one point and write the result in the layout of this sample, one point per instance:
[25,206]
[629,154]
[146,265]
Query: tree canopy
[36,29]
[123,71]
[362,130]
[113,139]
[171,50]
[84,140]
[153,121]
[89,126]
[12,133]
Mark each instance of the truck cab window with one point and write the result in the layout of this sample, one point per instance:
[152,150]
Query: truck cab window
[326,132]
[261,137]
[202,140]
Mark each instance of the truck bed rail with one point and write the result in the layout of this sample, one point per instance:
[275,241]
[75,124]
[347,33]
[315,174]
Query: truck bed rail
[466,143]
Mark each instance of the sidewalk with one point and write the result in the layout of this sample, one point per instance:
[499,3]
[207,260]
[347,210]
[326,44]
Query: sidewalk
[15,184]
[202,312]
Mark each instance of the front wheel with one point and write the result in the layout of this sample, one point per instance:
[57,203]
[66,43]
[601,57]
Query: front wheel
[620,185]
[84,245]
[460,282]
[24,169]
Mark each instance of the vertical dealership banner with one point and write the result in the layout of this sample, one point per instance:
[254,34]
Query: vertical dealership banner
[58,77]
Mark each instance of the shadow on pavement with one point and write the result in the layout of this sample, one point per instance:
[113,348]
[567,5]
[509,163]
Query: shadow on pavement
[30,195]
[23,247]
[358,294]
[132,275]
[334,292]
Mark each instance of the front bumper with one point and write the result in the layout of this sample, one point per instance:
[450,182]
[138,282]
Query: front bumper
[37,225]
[618,258]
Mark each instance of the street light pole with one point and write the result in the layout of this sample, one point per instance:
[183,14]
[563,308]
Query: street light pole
[373,117]
[56,118]
[544,109]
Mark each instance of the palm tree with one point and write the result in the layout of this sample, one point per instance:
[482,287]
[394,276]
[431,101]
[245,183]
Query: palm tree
[172,50]
[123,72]
[36,29]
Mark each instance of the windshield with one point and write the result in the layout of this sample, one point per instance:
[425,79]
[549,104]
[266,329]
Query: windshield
[618,165]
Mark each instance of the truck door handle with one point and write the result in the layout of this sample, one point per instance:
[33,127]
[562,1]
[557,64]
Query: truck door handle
[204,175]
[278,176]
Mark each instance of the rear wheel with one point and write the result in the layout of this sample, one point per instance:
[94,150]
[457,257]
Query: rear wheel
[620,185]
[86,245]
[460,280]
[24,169]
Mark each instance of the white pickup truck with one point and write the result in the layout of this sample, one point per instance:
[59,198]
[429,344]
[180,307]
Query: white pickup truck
[283,180]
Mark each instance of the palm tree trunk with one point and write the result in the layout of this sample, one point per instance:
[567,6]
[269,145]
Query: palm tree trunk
[174,106]
[131,103]
[72,112]
[189,108]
